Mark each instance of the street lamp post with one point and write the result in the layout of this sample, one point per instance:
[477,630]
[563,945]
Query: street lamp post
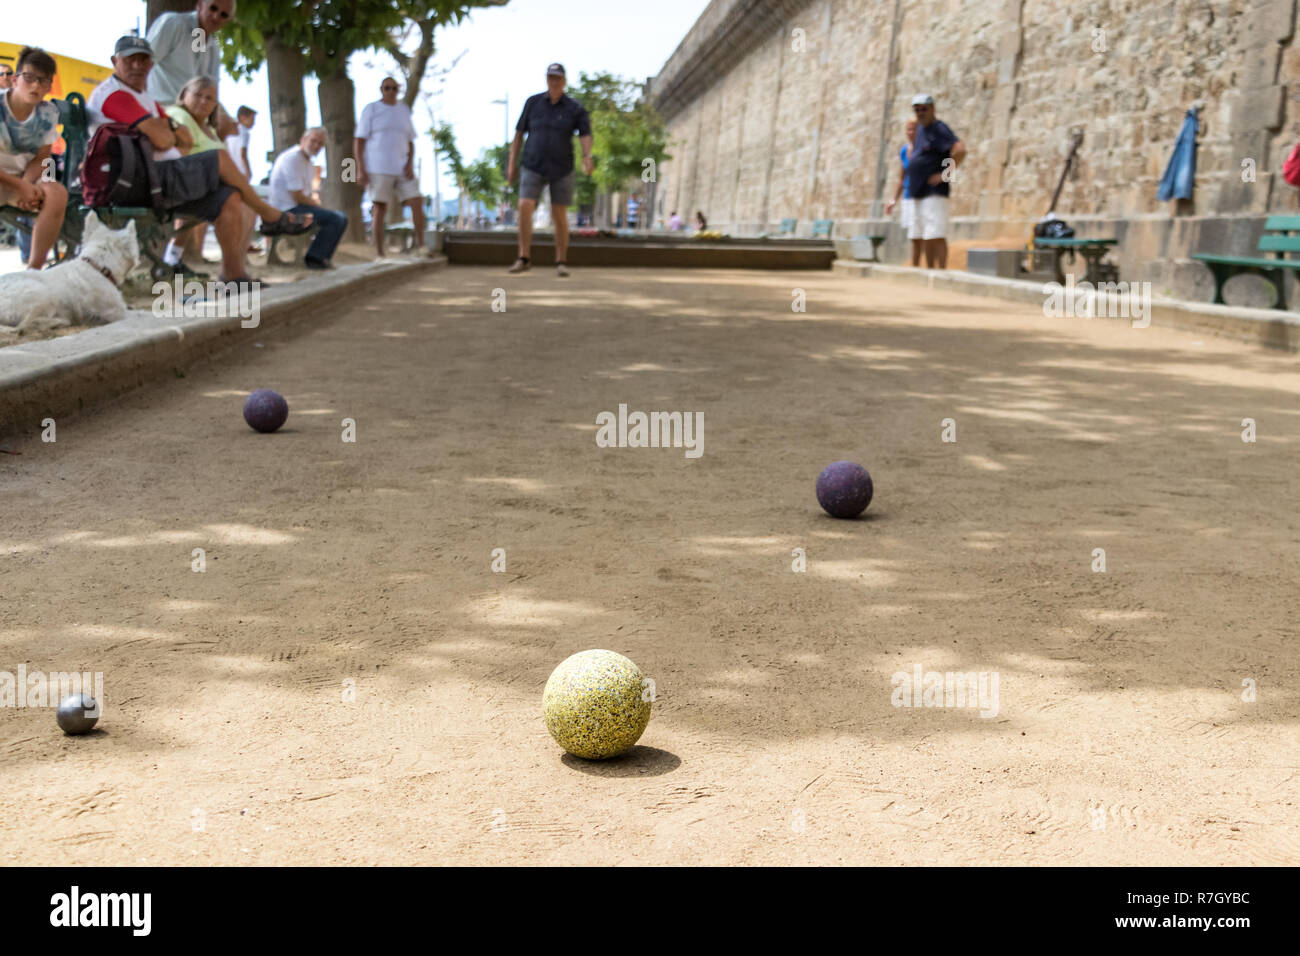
[505,190]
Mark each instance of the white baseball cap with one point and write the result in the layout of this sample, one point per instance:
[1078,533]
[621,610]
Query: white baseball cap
[922,99]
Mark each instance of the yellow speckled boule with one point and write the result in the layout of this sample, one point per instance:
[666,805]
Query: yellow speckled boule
[595,705]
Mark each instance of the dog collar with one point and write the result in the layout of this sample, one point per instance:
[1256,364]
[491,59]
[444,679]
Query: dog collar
[100,269]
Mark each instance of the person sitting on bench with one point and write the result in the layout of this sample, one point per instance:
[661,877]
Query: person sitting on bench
[28,131]
[196,110]
[204,186]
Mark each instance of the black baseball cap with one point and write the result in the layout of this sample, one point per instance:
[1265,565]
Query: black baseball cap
[130,45]
[555,69]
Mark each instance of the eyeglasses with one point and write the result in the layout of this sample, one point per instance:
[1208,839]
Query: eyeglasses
[35,79]
[213,8]
[388,89]
[921,109]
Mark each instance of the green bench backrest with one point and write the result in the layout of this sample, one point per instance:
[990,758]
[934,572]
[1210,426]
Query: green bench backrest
[788,225]
[1282,224]
[76,126]
[822,227]
[1279,244]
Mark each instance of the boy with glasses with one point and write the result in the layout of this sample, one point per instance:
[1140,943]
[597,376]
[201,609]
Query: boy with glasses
[28,131]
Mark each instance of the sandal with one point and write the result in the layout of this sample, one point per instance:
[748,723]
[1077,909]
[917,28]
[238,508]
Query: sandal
[239,283]
[287,225]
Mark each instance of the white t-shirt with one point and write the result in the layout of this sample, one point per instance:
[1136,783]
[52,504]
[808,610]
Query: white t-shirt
[388,132]
[175,61]
[115,102]
[236,143]
[21,141]
[293,171]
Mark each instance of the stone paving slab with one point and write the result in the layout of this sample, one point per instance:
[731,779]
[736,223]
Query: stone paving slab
[62,376]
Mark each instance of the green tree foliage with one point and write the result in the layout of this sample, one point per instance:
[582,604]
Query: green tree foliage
[500,155]
[625,130]
[484,180]
[422,18]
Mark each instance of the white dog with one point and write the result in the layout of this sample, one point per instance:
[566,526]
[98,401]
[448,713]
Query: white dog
[80,292]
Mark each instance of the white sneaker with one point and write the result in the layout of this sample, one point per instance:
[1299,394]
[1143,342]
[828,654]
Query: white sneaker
[561,270]
[521,265]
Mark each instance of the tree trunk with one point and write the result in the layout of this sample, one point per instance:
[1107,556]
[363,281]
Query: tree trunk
[337,110]
[419,62]
[284,70]
[158,7]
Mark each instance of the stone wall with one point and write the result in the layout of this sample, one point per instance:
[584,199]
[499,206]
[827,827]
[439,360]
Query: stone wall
[795,108]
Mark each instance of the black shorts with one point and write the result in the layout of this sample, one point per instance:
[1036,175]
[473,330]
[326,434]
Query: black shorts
[191,186]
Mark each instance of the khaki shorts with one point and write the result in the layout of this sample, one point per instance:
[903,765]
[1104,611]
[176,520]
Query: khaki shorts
[387,189]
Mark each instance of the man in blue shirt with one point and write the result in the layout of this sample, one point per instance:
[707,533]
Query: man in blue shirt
[550,119]
[909,204]
[934,158]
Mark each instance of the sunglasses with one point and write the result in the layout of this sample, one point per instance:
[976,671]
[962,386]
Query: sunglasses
[213,8]
[388,89]
[6,73]
[35,79]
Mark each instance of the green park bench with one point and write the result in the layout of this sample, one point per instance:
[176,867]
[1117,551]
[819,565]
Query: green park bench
[860,251]
[1092,250]
[1279,238]
[399,237]
[822,228]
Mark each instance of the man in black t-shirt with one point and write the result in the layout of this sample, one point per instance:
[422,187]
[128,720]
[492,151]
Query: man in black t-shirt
[550,119]
[934,158]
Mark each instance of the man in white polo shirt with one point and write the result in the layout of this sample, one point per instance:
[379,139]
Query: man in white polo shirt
[185,46]
[293,190]
[385,151]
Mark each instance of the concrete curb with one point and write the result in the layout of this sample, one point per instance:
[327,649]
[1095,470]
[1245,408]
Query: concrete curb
[64,376]
[1272,328]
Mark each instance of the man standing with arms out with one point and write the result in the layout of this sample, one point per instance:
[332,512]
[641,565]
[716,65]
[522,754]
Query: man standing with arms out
[928,176]
[385,150]
[293,188]
[550,119]
[185,46]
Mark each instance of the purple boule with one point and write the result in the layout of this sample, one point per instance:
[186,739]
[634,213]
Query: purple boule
[844,489]
[266,410]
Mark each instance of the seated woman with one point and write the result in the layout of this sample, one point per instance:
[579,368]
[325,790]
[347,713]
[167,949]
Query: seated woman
[195,111]
[28,130]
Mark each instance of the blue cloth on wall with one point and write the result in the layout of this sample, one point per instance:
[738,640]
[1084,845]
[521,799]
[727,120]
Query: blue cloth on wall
[1179,179]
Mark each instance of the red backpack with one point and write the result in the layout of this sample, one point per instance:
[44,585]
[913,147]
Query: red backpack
[119,169]
[1291,168]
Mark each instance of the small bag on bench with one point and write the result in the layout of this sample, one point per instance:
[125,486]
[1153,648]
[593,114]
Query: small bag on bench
[1053,229]
[119,169]
[1291,167]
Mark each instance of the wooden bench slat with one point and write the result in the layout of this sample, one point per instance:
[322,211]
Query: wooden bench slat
[1279,244]
[1282,224]
[1074,243]
[1243,261]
